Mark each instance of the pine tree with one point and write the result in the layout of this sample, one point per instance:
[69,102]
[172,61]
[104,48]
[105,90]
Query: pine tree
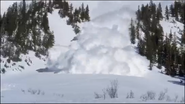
[153,9]
[172,10]
[82,12]
[132,32]
[167,13]
[159,45]
[159,12]
[176,9]
[87,17]
[137,30]
[141,47]
[70,15]
[174,57]
[76,16]
[138,14]
[149,49]
[71,9]
[182,12]
[167,56]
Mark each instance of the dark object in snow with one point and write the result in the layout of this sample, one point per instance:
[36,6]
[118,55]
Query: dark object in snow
[75,38]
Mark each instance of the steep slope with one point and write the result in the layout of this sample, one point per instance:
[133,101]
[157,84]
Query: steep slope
[174,26]
[63,36]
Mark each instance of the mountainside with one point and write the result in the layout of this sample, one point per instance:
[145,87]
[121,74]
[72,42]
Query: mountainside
[79,67]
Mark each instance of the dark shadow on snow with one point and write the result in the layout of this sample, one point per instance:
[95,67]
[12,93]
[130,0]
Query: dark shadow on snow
[177,82]
[42,70]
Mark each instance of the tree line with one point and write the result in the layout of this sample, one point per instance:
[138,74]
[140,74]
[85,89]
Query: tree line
[176,10]
[158,47]
[25,27]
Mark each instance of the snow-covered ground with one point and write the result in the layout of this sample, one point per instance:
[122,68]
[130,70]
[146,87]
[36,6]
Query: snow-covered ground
[48,87]
[79,69]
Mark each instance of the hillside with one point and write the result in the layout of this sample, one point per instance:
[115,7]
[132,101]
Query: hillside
[81,70]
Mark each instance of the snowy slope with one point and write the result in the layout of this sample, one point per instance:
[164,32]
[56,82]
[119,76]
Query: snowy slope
[103,47]
[28,61]
[63,36]
[175,28]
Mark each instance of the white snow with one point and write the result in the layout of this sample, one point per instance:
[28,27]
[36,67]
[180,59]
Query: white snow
[63,33]
[76,70]
[68,88]
[174,27]
[102,51]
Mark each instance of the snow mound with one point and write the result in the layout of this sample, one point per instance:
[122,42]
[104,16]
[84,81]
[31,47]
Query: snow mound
[101,51]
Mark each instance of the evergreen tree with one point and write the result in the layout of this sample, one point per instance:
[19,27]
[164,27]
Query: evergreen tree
[138,14]
[172,10]
[168,56]
[176,10]
[71,9]
[174,57]
[181,12]
[153,9]
[141,47]
[82,12]
[132,32]
[159,12]
[167,13]
[66,8]
[137,30]
[70,15]
[87,17]
[159,45]
[76,16]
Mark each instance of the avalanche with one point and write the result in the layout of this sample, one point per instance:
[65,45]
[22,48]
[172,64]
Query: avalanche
[100,50]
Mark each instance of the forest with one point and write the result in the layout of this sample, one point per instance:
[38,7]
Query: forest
[25,27]
[161,49]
